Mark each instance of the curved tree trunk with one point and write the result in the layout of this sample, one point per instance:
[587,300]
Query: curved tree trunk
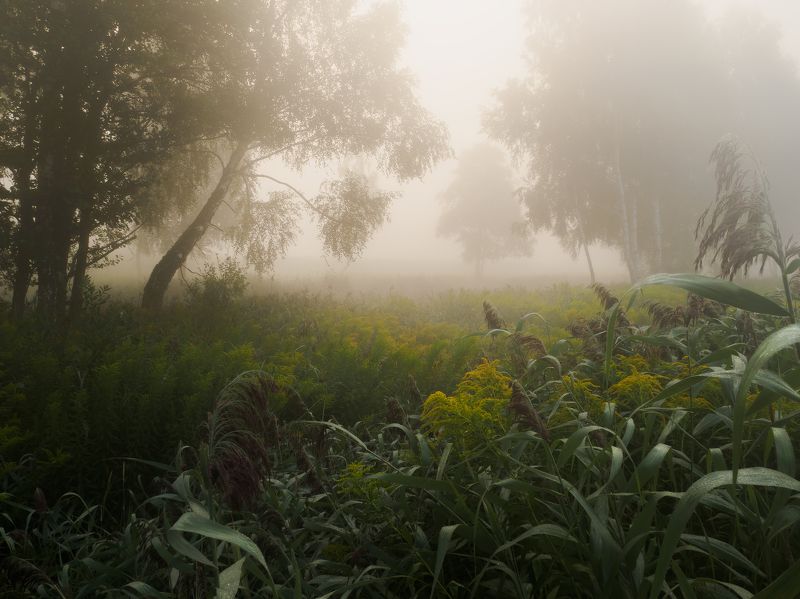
[173,259]
[589,262]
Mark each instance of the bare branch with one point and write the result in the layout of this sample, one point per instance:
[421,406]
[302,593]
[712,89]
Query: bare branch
[299,194]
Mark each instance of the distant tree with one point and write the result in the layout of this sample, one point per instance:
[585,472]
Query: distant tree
[482,212]
[305,82]
[616,117]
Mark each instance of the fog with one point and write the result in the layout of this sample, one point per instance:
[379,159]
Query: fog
[464,57]
[460,52]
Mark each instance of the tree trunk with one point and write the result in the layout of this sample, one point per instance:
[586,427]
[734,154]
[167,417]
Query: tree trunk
[658,235]
[23,260]
[23,257]
[589,262]
[584,241]
[628,250]
[81,260]
[175,256]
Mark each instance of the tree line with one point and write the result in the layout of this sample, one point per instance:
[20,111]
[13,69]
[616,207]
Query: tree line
[620,109]
[117,116]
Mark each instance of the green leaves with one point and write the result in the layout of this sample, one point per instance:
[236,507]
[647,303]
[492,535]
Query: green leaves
[194,523]
[779,340]
[758,477]
[719,290]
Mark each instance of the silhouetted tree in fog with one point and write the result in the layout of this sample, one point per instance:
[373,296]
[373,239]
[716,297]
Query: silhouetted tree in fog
[482,212]
[623,102]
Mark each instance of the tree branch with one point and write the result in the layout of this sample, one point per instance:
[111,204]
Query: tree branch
[102,252]
[300,194]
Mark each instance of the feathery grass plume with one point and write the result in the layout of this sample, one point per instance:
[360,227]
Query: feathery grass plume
[579,328]
[304,463]
[524,413]
[319,441]
[664,316]
[394,413]
[240,430]
[739,229]
[697,306]
[609,300]
[23,576]
[530,343]
[414,392]
[605,296]
[39,501]
[492,316]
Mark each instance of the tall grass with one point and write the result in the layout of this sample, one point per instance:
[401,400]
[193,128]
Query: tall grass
[644,455]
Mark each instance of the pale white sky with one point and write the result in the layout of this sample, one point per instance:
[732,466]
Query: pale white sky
[461,50]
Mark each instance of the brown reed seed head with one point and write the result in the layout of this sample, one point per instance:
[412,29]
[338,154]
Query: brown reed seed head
[492,316]
[524,413]
[394,412]
[240,431]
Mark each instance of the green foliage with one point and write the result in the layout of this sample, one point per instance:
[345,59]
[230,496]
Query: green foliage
[667,469]
[475,413]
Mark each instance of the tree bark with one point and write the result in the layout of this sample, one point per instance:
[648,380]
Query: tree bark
[81,261]
[156,287]
[23,257]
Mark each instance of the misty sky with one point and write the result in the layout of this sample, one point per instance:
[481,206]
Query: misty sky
[459,51]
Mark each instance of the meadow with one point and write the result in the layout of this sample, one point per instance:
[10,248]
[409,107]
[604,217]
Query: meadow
[561,442]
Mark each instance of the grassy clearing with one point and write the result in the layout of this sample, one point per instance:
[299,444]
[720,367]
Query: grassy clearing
[557,443]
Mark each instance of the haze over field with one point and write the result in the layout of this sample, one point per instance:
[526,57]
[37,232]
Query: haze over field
[399,298]
[461,51]
[558,89]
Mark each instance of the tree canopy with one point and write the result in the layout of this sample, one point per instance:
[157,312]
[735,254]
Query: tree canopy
[118,115]
[615,121]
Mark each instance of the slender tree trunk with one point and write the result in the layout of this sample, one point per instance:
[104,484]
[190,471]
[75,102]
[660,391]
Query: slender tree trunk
[23,258]
[175,256]
[658,235]
[628,251]
[589,261]
[584,242]
[634,232]
[81,261]
[54,227]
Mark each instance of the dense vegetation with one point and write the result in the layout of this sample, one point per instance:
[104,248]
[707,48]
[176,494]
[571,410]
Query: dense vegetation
[601,443]
[380,450]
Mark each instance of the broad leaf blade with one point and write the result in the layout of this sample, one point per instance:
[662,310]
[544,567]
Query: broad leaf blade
[718,290]
[197,524]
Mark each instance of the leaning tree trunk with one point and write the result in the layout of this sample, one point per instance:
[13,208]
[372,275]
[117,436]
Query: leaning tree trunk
[589,262]
[173,259]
